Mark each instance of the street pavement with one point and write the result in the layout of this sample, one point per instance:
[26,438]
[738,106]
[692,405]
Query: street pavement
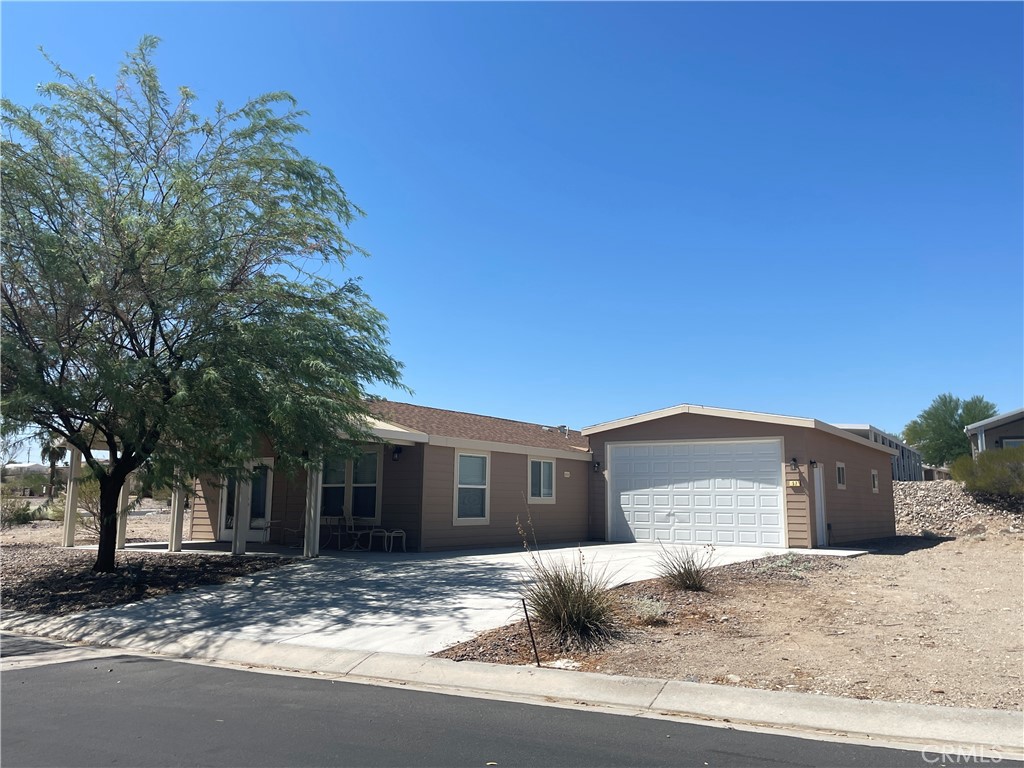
[103,709]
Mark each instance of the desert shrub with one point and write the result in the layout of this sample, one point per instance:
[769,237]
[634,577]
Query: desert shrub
[14,511]
[649,612]
[571,600]
[685,567]
[1000,473]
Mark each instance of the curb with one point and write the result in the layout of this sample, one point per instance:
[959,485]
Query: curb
[915,725]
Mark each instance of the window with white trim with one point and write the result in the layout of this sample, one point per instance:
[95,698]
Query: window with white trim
[874,481]
[1013,442]
[840,475]
[351,487]
[471,489]
[542,481]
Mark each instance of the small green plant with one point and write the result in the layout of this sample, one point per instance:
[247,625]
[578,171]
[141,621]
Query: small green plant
[996,472]
[650,612]
[14,511]
[687,568]
[570,598]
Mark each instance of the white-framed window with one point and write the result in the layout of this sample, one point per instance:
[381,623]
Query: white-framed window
[1013,442]
[874,481]
[840,475]
[541,481]
[351,487]
[472,489]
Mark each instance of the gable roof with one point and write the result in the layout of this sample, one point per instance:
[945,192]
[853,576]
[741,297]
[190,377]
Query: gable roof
[726,413]
[995,421]
[455,428]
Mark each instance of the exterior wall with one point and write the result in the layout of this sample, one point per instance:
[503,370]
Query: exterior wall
[906,465]
[994,435]
[689,426]
[288,508]
[205,510]
[402,494]
[563,521]
[856,513]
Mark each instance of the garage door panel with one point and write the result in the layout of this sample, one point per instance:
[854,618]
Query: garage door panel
[724,492]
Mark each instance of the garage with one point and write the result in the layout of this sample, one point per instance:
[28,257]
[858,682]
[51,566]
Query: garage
[727,492]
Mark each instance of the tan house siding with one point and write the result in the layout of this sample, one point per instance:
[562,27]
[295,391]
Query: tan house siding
[205,510]
[563,521]
[402,497]
[855,513]
[689,426]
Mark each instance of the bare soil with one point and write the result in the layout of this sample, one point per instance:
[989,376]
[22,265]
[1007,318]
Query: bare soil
[39,576]
[925,620]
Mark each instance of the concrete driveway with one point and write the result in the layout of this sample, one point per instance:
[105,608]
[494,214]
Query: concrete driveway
[399,603]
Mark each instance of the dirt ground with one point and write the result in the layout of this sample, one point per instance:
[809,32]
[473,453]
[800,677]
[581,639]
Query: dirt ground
[922,620]
[39,576]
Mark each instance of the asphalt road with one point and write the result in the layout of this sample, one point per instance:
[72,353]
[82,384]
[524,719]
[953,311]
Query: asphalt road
[103,710]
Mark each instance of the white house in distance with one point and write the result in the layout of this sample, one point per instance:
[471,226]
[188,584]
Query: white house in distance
[906,464]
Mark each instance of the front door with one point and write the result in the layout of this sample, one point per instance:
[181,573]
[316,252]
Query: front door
[257,494]
[819,506]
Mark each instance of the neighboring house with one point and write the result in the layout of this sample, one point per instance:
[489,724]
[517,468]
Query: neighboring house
[1003,431]
[936,473]
[906,464]
[687,474]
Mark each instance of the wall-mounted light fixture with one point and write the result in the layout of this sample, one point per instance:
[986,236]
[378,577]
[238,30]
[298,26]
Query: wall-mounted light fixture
[396,453]
[813,463]
[793,464]
[597,466]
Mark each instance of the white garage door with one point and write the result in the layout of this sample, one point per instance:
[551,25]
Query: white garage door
[698,492]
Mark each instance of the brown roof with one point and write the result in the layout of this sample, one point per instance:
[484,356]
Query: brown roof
[470,426]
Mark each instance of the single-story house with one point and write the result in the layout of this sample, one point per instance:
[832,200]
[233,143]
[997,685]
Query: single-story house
[687,474]
[1003,431]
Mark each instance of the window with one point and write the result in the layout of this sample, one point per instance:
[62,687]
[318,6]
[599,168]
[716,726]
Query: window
[471,489]
[874,481]
[1013,442]
[260,489]
[840,475]
[350,486]
[542,481]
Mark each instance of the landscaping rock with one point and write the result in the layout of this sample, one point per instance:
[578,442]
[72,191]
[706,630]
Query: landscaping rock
[944,508]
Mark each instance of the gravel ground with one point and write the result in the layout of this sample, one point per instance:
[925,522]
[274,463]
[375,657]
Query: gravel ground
[923,619]
[39,576]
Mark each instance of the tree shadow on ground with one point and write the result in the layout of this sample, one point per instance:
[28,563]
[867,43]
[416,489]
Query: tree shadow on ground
[902,545]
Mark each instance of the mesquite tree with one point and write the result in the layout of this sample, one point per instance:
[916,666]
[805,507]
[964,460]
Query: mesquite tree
[164,288]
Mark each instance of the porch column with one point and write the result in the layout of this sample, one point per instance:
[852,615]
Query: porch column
[314,490]
[122,515]
[177,518]
[71,498]
[243,515]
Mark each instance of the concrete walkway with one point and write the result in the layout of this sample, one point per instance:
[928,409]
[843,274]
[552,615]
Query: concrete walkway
[372,601]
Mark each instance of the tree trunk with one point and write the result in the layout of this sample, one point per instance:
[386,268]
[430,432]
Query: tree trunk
[110,494]
[53,478]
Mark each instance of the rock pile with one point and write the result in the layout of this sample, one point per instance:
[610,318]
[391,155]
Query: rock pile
[943,507]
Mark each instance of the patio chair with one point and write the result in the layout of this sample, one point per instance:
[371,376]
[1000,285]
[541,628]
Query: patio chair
[355,530]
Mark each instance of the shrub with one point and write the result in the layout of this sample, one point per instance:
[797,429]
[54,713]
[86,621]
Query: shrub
[1000,473]
[571,600]
[687,568]
[14,511]
[650,612]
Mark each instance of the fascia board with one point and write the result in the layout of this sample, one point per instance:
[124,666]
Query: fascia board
[490,445]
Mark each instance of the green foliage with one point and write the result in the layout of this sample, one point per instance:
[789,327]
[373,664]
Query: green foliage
[996,472]
[938,431]
[32,480]
[167,284]
[14,511]
[571,600]
[686,567]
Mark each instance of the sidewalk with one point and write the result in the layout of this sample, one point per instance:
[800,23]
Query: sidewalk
[911,726]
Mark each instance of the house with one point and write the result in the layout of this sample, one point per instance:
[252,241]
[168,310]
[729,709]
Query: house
[1003,431]
[688,474]
[906,464]
[697,475]
[936,473]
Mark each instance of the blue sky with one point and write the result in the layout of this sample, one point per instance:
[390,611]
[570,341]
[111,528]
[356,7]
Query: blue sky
[578,212]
